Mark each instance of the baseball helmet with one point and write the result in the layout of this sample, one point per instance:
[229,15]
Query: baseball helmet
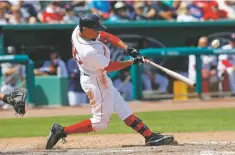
[91,21]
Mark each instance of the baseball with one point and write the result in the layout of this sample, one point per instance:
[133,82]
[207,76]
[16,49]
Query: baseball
[215,43]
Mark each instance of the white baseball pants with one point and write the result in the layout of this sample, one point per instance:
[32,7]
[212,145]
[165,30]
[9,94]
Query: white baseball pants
[231,77]
[104,100]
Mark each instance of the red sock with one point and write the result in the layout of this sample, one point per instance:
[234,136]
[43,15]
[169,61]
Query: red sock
[81,127]
[136,124]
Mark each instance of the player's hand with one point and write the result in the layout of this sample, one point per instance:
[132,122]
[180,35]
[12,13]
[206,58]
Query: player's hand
[133,52]
[138,60]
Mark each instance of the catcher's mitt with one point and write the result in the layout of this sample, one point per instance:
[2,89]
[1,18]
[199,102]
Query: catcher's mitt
[17,99]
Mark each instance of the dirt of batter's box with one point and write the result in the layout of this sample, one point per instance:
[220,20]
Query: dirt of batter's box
[200,141]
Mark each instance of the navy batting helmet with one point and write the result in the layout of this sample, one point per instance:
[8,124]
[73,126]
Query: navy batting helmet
[91,21]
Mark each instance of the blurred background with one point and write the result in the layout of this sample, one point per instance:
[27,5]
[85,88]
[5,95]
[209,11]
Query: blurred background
[175,30]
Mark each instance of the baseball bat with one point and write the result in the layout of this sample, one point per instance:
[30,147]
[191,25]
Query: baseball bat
[172,73]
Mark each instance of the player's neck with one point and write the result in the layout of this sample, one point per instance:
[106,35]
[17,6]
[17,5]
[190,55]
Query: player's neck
[84,37]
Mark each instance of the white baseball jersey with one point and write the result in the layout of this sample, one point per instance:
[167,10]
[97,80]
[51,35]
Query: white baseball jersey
[229,69]
[229,57]
[92,57]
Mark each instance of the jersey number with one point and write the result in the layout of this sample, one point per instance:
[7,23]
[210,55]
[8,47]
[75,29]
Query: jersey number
[75,55]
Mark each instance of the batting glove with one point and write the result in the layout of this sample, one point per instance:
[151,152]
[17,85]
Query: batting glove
[138,60]
[133,52]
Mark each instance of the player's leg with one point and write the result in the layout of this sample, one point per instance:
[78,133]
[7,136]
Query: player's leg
[101,101]
[231,78]
[123,110]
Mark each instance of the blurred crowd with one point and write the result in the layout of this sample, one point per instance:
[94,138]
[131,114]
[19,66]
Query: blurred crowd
[32,12]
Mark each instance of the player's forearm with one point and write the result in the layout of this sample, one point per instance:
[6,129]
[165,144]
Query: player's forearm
[11,71]
[114,40]
[114,66]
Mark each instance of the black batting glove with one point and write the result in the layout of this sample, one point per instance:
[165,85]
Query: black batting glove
[133,52]
[138,60]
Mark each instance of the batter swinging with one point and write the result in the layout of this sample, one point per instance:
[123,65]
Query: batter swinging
[93,58]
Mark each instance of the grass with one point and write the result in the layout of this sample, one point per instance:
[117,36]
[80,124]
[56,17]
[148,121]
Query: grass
[164,121]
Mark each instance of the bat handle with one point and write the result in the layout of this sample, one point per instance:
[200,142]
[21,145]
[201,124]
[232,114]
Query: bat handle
[146,61]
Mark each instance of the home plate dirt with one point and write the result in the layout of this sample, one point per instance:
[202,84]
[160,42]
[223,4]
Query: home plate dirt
[205,143]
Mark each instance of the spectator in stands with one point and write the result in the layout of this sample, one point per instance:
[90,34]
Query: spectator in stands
[48,68]
[27,10]
[54,67]
[76,95]
[6,6]
[185,14]
[227,63]
[162,10]
[12,74]
[229,6]
[210,10]
[16,17]
[101,8]
[120,12]
[209,65]
[61,69]
[70,17]
[141,10]
[3,20]
[52,14]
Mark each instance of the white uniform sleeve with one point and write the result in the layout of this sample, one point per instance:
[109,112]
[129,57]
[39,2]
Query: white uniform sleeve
[97,59]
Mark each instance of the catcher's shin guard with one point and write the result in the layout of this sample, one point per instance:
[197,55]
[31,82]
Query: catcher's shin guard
[158,139]
[56,133]
[17,99]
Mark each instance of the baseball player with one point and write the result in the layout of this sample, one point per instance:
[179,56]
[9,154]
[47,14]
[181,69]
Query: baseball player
[227,63]
[93,58]
[209,64]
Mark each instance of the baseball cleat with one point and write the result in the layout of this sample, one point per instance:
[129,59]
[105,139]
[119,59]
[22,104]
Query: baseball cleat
[158,139]
[56,133]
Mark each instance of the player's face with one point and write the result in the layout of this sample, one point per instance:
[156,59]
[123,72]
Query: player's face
[91,33]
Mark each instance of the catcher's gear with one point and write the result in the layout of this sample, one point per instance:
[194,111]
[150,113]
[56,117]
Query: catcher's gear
[133,52]
[17,99]
[56,133]
[138,60]
[158,139]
